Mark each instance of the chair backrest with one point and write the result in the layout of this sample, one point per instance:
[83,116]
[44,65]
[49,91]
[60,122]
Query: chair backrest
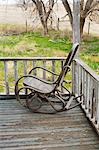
[67,63]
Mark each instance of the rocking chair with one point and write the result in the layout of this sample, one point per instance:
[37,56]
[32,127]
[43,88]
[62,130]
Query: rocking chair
[42,96]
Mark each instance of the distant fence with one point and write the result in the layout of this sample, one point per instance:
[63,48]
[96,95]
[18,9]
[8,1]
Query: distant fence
[12,14]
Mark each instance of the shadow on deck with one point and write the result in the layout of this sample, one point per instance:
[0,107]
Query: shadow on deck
[22,130]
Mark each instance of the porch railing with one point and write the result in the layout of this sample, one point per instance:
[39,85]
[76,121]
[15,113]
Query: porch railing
[86,82]
[12,68]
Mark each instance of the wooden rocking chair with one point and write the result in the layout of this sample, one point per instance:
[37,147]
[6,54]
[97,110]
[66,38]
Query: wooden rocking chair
[43,96]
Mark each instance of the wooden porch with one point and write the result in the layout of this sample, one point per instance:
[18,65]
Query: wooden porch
[76,129]
[22,130]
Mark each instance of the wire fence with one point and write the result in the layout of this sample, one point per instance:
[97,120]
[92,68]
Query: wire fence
[14,19]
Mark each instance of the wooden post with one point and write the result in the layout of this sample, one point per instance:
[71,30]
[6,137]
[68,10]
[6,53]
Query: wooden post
[76,21]
[76,35]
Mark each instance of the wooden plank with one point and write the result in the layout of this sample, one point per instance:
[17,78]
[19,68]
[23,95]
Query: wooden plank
[59,147]
[44,72]
[97,103]
[15,71]
[90,90]
[53,69]
[85,88]
[24,61]
[25,67]
[6,77]
[87,68]
[21,129]
[76,21]
[34,65]
[62,64]
[88,93]
[73,77]
[30,58]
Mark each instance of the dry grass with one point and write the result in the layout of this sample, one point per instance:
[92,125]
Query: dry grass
[13,29]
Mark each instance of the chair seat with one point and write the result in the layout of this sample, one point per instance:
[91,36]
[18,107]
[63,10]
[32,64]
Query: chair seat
[38,85]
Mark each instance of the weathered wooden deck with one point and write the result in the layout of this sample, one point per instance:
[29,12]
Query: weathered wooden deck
[22,130]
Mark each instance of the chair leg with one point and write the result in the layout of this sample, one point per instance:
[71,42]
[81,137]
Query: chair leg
[69,102]
[22,98]
[44,99]
[68,105]
[34,103]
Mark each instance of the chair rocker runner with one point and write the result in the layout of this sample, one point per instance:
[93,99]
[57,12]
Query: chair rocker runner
[43,96]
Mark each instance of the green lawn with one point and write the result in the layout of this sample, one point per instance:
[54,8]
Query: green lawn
[56,44]
[90,52]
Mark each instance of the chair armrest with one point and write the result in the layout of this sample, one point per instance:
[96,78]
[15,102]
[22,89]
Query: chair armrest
[44,70]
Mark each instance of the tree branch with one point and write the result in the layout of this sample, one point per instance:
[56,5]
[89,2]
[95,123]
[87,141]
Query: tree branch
[92,10]
[51,4]
[68,9]
[87,7]
[34,1]
[81,5]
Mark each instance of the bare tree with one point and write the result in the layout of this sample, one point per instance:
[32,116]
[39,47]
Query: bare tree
[44,10]
[94,15]
[86,7]
[24,4]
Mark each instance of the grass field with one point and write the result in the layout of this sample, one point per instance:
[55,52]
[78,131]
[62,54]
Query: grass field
[56,44]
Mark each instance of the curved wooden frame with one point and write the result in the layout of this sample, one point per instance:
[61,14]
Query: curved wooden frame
[31,83]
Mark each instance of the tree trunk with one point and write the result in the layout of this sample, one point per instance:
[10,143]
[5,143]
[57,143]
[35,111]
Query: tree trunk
[44,12]
[82,22]
[69,11]
[45,28]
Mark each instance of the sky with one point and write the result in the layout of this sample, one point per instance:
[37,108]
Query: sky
[13,1]
[7,1]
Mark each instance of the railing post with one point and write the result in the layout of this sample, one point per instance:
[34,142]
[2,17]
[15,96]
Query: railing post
[21,67]
[25,67]
[44,73]
[97,105]
[6,77]
[53,69]
[34,65]
[15,70]
[90,91]
[73,78]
